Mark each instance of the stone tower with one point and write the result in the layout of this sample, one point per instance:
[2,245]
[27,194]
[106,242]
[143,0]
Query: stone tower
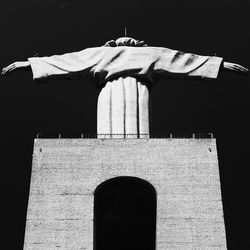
[67,172]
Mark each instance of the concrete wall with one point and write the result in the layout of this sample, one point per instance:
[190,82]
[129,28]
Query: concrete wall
[184,172]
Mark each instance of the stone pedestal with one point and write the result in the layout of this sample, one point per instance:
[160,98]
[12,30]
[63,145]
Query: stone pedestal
[66,172]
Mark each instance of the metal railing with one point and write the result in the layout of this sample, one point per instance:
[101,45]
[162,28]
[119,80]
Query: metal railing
[155,135]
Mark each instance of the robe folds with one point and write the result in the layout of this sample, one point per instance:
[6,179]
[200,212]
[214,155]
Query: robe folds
[124,73]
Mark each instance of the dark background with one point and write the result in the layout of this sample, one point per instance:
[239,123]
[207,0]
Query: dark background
[51,27]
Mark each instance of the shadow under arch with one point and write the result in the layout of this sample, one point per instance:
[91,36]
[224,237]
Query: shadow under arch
[125,214]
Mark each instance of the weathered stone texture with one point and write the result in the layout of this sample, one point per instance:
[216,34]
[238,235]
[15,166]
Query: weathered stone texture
[184,172]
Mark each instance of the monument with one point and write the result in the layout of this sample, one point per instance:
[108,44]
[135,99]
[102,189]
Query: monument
[124,69]
[171,186]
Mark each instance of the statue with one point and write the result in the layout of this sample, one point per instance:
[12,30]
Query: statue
[124,69]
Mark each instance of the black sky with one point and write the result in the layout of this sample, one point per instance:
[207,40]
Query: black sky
[50,27]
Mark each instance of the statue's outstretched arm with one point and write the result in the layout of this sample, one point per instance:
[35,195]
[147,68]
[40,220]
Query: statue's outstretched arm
[177,64]
[234,67]
[63,66]
[16,66]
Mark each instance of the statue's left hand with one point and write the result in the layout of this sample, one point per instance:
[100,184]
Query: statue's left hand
[15,66]
[235,67]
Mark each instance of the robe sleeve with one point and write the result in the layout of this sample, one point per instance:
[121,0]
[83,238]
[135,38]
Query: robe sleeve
[176,63]
[66,65]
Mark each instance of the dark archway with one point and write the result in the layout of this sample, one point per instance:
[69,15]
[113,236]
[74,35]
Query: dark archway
[125,215]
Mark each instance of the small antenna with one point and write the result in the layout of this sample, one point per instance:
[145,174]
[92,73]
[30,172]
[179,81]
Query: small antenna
[125,31]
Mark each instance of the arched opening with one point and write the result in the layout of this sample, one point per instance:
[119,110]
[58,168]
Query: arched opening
[125,215]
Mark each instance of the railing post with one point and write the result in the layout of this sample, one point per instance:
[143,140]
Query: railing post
[211,135]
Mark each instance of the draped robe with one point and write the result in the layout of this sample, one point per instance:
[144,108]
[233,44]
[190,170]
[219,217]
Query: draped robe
[124,73]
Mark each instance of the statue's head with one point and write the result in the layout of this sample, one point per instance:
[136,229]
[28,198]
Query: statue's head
[125,41]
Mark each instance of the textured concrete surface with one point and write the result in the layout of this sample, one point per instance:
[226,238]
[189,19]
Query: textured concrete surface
[184,172]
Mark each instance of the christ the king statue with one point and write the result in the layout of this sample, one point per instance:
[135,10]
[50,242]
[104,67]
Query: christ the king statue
[124,69]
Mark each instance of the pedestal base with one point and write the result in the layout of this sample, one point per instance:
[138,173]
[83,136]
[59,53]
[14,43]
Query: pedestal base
[66,172]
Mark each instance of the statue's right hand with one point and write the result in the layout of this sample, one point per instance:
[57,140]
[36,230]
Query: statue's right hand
[15,66]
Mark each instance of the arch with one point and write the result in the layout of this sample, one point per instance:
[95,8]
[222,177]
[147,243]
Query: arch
[125,214]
